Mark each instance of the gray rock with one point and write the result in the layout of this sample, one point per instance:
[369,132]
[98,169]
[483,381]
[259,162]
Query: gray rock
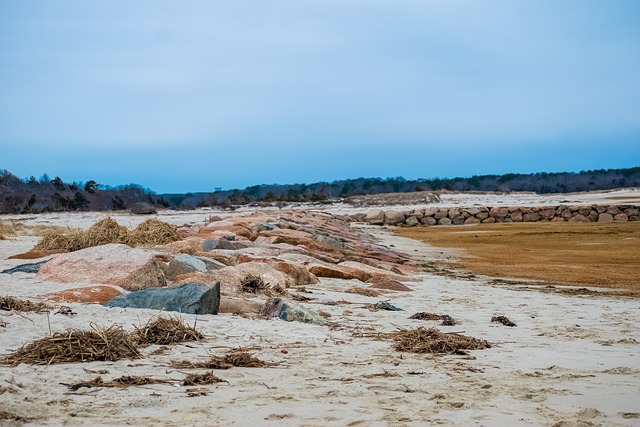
[33,267]
[286,310]
[427,220]
[210,244]
[211,264]
[142,208]
[412,221]
[394,217]
[190,298]
[444,221]
[185,264]
[375,217]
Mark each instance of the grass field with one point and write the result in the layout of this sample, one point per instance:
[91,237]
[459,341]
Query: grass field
[591,254]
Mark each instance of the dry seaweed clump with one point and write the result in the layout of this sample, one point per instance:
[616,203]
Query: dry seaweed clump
[14,304]
[73,345]
[423,340]
[121,382]
[6,230]
[234,358]
[446,319]
[153,232]
[163,331]
[504,320]
[105,231]
[201,379]
[71,240]
[252,285]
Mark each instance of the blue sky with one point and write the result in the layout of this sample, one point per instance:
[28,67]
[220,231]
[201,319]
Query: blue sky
[188,96]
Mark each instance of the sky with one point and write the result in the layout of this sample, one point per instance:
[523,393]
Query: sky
[192,95]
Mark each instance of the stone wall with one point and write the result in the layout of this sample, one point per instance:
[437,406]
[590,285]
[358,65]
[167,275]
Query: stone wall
[488,215]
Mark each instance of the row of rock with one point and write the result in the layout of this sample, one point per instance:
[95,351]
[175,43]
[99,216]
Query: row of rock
[487,215]
[231,265]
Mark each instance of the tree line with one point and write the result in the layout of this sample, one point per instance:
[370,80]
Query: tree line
[33,195]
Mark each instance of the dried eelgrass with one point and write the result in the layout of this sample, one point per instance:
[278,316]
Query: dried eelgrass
[504,320]
[234,358]
[107,230]
[153,232]
[69,240]
[446,319]
[201,379]
[74,345]
[252,285]
[6,230]
[163,331]
[121,382]
[14,304]
[422,340]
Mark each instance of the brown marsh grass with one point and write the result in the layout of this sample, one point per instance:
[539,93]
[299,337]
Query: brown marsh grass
[582,254]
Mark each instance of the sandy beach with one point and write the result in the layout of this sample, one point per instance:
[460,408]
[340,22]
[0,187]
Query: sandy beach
[572,360]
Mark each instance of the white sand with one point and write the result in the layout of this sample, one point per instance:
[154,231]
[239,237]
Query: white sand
[571,359]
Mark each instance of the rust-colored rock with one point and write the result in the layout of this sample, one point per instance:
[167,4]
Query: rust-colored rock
[99,294]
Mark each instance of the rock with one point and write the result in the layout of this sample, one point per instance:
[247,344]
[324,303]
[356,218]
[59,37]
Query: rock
[375,217]
[613,210]
[499,212]
[459,220]
[579,218]
[441,213]
[338,272]
[482,215]
[566,214]
[189,298]
[472,220]
[112,264]
[209,245]
[269,275]
[605,217]
[621,217]
[530,217]
[558,219]
[593,216]
[184,264]
[453,212]
[286,310]
[394,217]
[516,216]
[99,294]
[142,208]
[547,214]
[430,211]
[412,221]
[488,220]
[239,305]
[36,254]
[33,267]
[388,284]
[427,220]
[444,221]
[472,211]
[584,210]
[632,212]
[211,264]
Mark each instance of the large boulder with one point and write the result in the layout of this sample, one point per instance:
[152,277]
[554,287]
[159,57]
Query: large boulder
[189,298]
[112,264]
[394,217]
[375,217]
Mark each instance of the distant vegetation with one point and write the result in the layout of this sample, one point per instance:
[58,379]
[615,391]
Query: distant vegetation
[33,195]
